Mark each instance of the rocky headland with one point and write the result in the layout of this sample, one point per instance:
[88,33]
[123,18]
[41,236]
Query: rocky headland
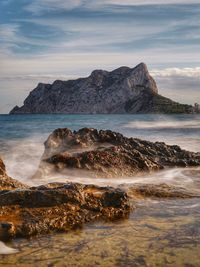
[123,90]
[55,207]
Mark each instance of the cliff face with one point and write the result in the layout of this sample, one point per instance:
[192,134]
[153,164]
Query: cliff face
[124,90]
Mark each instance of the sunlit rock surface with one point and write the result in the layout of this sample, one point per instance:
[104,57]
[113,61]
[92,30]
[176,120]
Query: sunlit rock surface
[58,207]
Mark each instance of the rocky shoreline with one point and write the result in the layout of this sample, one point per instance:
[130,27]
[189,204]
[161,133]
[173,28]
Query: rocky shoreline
[26,211]
[108,154]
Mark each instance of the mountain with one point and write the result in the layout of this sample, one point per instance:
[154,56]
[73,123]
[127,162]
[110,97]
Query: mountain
[124,90]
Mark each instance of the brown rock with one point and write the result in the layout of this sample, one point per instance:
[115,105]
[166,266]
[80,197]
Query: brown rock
[109,154]
[158,191]
[2,167]
[6,182]
[58,207]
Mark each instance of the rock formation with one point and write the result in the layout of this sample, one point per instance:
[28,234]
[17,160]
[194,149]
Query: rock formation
[124,90]
[59,207]
[108,154]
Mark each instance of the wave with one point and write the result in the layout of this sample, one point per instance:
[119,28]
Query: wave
[22,157]
[164,124]
[180,177]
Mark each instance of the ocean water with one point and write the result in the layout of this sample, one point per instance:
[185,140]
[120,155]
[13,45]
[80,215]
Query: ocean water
[157,233]
[22,136]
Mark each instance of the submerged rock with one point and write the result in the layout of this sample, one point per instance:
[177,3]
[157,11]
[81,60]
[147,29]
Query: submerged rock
[158,191]
[108,154]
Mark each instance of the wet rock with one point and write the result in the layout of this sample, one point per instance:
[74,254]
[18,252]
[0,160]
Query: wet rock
[55,207]
[108,154]
[2,167]
[158,191]
[58,207]
[6,182]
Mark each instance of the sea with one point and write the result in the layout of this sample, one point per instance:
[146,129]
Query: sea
[157,232]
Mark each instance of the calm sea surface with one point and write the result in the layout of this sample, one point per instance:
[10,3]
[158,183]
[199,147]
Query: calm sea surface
[157,233]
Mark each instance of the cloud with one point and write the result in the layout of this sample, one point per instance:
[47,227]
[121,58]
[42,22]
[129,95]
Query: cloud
[22,75]
[178,72]
[8,32]
[150,2]
[180,84]
[59,39]
[99,31]
[45,6]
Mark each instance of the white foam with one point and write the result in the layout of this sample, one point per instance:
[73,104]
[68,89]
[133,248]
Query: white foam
[22,157]
[181,177]
[163,123]
[6,250]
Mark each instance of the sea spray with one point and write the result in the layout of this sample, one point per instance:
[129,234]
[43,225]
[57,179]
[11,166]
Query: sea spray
[22,138]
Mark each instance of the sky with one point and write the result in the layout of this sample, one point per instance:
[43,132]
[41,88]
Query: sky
[45,40]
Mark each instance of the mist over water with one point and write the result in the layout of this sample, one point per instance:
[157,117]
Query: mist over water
[22,141]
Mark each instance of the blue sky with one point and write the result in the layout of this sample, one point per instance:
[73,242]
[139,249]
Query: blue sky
[44,40]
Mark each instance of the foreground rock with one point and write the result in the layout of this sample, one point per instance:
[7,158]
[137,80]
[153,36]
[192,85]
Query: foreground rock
[55,207]
[58,207]
[124,90]
[6,182]
[108,154]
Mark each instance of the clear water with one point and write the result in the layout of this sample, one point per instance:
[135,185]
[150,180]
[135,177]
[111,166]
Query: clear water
[157,233]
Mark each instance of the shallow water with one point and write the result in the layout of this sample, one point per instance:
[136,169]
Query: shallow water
[157,233]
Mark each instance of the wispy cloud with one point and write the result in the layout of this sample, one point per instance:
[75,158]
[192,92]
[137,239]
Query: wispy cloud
[8,35]
[40,6]
[150,2]
[181,84]
[44,40]
[178,72]
[99,31]
[45,6]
